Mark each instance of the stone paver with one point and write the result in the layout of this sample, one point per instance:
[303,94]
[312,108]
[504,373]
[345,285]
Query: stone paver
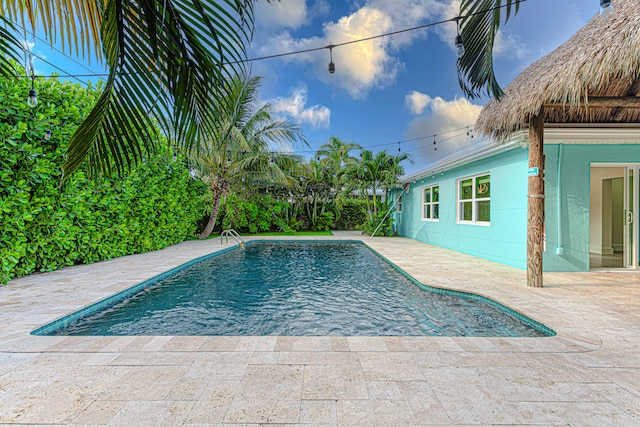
[587,375]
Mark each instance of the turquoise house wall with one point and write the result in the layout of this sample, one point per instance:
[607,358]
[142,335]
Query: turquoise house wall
[574,199]
[504,240]
[567,196]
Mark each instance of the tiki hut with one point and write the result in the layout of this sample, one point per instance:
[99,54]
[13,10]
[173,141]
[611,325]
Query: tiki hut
[594,77]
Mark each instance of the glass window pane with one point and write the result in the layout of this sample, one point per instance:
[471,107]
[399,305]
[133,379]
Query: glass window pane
[436,194]
[427,195]
[427,211]
[484,211]
[466,189]
[436,211]
[467,211]
[483,189]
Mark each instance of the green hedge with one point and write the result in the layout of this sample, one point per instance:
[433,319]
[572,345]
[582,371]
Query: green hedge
[45,227]
[253,215]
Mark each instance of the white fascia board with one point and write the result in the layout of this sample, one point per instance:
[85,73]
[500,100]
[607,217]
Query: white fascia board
[481,150]
[553,134]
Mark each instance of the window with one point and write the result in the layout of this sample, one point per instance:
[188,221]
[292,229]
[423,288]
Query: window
[474,199]
[431,203]
[399,205]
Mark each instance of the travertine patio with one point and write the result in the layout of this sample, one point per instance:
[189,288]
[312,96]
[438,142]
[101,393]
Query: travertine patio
[589,374]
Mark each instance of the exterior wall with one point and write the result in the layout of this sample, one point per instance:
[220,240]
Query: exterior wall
[504,240]
[567,197]
[573,198]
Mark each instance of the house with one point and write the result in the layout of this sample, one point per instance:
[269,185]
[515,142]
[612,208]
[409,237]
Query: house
[569,123]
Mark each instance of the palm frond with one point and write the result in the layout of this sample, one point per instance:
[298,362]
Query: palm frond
[10,48]
[166,67]
[475,67]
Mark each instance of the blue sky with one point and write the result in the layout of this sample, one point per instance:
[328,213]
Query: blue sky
[389,89]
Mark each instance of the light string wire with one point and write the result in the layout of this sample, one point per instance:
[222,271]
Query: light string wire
[465,129]
[330,46]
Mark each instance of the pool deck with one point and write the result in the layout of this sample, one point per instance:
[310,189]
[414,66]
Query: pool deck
[587,375]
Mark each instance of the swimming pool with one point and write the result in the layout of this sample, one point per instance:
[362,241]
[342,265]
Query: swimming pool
[311,288]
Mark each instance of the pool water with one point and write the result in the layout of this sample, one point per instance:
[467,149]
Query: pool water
[299,289]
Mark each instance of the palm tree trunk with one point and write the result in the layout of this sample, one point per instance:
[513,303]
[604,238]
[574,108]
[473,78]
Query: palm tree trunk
[213,217]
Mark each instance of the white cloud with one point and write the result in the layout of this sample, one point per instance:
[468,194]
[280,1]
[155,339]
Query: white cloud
[417,102]
[281,14]
[364,65]
[441,119]
[295,108]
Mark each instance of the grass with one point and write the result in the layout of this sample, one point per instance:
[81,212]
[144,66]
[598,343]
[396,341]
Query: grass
[275,234]
[292,233]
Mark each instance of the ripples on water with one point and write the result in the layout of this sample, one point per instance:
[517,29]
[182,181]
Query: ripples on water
[297,289]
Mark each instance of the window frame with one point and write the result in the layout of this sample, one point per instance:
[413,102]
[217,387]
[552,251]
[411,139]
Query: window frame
[399,203]
[474,200]
[430,203]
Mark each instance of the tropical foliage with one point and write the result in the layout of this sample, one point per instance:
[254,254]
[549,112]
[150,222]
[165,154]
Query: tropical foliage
[166,60]
[45,226]
[243,140]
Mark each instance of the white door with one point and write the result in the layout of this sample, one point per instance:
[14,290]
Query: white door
[630,255]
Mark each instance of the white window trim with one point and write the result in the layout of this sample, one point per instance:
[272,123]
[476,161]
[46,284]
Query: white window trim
[422,203]
[473,200]
[399,203]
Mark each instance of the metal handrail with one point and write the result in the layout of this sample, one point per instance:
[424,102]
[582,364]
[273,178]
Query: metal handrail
[233,233]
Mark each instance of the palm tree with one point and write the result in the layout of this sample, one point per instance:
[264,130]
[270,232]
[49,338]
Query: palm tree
[166,62]
[336,152]
[479,30]
[240,142]
[373,173]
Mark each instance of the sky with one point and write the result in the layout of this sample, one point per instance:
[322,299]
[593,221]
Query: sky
[398,93]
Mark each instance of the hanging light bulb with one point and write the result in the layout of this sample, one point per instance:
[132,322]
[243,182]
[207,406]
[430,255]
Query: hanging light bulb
[271,162]
[47,135]
[606,8]
[332,66]
[434,144]
[32,99]
[459,43]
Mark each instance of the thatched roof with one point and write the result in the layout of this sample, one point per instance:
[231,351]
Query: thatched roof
[601,60]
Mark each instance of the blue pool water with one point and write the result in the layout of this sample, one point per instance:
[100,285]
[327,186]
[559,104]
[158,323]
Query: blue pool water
[299,289]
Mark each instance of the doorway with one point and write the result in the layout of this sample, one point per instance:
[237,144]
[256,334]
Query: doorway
[614,216]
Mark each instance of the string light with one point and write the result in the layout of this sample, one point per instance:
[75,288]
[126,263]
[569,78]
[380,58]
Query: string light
[332,66]
[434,144]
[47,135]
[459,43]
[32,99]
[606,8]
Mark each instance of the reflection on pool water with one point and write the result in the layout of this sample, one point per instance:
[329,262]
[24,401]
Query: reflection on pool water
[295,289]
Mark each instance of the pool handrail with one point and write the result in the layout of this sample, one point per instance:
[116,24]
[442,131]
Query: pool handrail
[233,233]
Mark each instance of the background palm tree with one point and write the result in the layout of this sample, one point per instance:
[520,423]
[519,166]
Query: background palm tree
[375,172]
[166,60]
[243,139]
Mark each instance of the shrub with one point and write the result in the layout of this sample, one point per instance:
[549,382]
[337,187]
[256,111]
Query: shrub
[44,226]
[352,213]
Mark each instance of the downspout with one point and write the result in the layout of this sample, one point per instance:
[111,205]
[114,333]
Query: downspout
[559,247]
